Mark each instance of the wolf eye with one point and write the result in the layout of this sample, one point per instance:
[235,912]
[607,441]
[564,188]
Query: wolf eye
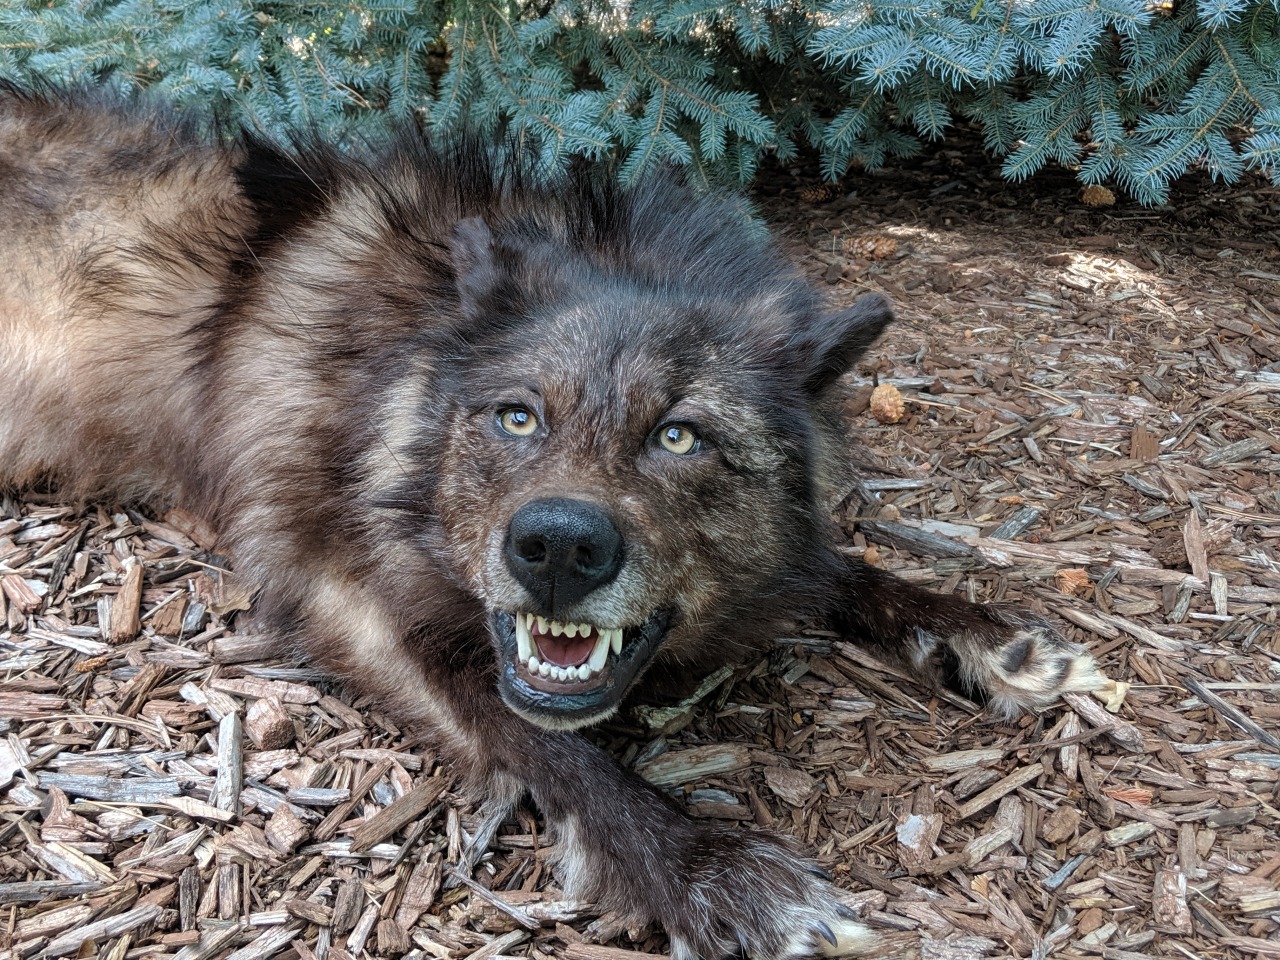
[517,421]
[678,439]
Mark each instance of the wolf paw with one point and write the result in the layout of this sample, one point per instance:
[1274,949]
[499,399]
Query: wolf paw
[1021,662]
[749,894]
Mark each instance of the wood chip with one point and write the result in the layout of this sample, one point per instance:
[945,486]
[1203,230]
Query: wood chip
[125,610]
[1120,732]
[1061,825]
[20,594]
[409,807]
[285,830]
[110,927]
[1233,714]
[113,789]
[793,786]
[1169,901]
[268,725]
[230,779]
[419,891]
[997,790]
[1193,541]
[963,759]
[916,835]
[593,951]
[280,689]
[30,706]
[694,764]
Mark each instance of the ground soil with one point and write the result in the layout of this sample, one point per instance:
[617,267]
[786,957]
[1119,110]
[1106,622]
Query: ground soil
[1090,426]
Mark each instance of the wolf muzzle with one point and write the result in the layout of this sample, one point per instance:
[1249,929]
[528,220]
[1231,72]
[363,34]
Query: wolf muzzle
[561,549]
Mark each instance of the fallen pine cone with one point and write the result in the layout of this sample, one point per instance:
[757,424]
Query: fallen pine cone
[819,194]
[871,248]
[1096,196]
[886,403]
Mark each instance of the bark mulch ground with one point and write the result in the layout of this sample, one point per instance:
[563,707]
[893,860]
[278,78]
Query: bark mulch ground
[1090,426]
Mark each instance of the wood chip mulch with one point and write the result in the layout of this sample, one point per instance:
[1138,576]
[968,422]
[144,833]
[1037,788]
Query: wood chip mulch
[1089,425]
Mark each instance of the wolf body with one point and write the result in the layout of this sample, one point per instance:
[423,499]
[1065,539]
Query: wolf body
[496,450]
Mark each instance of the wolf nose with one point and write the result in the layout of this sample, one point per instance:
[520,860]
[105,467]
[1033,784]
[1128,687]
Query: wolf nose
[561,550]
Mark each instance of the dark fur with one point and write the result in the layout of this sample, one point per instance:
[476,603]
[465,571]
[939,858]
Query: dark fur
[313,348]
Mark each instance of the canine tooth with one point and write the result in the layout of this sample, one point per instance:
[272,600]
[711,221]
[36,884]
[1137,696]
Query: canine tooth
[524,643]
[570,630]
[615,639]
[600,652]
[557,628]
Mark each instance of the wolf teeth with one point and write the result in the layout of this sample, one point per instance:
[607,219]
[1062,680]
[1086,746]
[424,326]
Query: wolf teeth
[526,623]
[600,652]
[577,674]
[524,642]
[606,639]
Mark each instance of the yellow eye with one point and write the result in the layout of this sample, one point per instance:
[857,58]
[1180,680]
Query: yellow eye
[678,439]
[518,421]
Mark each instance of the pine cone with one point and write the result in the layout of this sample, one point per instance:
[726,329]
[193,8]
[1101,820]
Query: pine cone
[886,403]
[1096,196]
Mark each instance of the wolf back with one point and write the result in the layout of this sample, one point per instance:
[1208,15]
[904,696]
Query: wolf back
[496,449]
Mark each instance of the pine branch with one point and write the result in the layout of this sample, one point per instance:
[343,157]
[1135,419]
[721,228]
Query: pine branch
[1117,90]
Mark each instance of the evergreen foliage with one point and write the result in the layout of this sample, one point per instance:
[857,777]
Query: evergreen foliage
[1130,92]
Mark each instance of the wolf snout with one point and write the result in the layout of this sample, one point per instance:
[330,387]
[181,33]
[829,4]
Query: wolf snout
[561,549]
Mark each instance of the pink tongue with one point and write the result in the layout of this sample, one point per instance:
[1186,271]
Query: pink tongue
[562,651]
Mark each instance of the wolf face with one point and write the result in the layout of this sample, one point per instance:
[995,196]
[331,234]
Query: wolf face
[495,449]
[628,472]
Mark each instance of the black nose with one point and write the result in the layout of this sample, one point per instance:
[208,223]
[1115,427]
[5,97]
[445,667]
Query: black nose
[560,550]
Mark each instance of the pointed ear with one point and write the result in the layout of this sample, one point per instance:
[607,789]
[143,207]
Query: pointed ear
[833,343]
[474,261]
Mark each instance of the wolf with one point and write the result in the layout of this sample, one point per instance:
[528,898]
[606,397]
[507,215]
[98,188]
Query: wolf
[497,449]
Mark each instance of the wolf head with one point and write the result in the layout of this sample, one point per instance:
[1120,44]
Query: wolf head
[629,460]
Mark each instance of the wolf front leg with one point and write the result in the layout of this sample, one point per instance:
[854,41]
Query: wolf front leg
[631,850]
[1007,657]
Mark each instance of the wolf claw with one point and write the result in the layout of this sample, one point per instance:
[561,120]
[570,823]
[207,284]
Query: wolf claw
[827,933]
[846,913]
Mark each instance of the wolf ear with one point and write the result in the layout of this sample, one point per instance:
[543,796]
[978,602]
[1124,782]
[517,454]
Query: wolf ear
[474,262]
[833,343]
[495,278]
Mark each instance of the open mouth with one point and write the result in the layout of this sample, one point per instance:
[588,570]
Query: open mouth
[569,674]
[563,653]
